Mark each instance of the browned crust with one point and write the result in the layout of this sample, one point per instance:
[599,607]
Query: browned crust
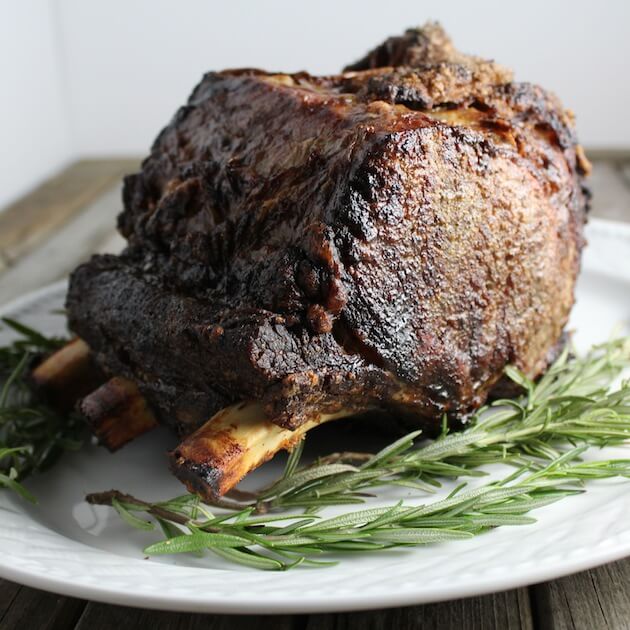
[212,461]
[117,413]
[390,237]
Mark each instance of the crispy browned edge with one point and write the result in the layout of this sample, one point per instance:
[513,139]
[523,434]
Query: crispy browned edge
[115,411]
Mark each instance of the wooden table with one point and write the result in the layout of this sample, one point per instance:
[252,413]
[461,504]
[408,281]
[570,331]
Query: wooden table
[47,233]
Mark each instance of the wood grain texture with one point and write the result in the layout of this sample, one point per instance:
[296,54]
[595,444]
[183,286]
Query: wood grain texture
[8,592]
[72,244]
[616,156]
[37,610]
[30,220]
[611,193]
[103,617]
[505,611]
[593,600]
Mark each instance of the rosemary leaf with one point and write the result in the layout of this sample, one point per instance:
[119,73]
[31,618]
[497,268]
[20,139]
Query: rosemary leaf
[542,435]
[197,541]
[419,536]
[256,561]
[32,435]
[130,518]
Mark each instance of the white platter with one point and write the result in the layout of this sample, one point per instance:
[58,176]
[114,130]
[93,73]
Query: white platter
[66,546]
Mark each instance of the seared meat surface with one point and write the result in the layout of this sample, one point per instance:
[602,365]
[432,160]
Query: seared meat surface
[390,237]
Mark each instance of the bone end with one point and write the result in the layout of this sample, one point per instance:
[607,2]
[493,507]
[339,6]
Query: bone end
[67,375]
[211,461]
[117,413]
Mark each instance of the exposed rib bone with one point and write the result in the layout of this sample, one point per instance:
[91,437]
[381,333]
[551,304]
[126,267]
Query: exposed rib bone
[67,375]
[117,413]
[211,461]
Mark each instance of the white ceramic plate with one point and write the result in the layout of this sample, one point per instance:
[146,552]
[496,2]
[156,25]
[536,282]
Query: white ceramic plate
[66,546]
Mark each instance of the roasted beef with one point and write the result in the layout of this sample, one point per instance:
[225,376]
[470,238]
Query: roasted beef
[390,237]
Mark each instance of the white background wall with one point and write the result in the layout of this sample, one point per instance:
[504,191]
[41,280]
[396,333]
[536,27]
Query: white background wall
[34,132]
[83,78]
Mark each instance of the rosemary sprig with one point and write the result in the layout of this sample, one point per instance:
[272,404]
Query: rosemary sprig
[543,435]
[571,405]
[32,435]
[285,541]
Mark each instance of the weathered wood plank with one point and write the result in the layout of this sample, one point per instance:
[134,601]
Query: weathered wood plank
[104,617]
[505,611]
[113,244]
[29,221]
[65,249]
[36,610]
[611,194]
[615,156]
[592,600]
[8,592]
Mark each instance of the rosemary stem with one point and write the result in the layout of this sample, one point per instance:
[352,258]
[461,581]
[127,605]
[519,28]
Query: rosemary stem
[109,496]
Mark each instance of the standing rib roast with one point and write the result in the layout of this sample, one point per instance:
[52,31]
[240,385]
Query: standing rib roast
[302,248]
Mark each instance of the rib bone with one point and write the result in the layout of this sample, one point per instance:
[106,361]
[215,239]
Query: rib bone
[117,413]
[67,375]
[211,461]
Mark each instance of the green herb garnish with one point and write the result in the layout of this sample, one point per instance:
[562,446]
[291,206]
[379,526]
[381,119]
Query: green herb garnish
[32,435]
[542,435]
